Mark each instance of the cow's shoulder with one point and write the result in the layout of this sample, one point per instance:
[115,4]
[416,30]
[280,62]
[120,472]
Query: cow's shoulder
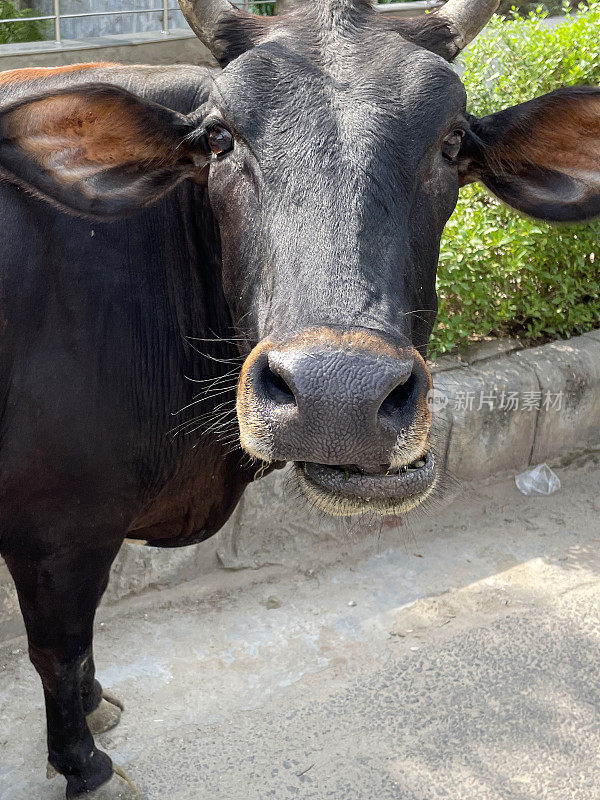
[182,87]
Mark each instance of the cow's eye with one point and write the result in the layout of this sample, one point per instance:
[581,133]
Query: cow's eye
[452,144]
[219,140]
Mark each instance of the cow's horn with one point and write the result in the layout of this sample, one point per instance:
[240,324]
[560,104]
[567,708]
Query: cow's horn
[466,19]
[227,31]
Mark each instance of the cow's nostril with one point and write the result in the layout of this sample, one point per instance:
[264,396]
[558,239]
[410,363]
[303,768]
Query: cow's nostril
[398,398]
[276,387]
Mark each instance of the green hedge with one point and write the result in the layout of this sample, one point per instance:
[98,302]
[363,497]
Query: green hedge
[26,31]
[500,273]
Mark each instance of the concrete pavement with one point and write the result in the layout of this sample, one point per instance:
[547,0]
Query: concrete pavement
[457,658]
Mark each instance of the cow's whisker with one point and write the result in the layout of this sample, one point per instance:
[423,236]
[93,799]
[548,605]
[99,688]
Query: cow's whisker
[204,396]
[201,398]
[202,419]
[233,360]
[212,380]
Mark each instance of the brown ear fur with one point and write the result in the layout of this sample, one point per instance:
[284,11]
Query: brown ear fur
[74,145]
[543,156]
[562,133]
[102,130]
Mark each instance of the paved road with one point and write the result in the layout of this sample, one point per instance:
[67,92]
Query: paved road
[456,660]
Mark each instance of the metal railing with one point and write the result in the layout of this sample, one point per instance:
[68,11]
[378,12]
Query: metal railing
[164,10]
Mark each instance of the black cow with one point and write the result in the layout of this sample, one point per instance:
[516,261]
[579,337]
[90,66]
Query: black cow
[270,230]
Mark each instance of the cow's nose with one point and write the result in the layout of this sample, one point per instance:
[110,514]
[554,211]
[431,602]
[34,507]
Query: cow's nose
[332,405]
[338,393]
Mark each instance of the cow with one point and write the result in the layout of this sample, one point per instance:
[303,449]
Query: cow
[208,273]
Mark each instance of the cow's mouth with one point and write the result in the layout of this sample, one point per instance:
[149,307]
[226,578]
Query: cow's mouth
[349,490]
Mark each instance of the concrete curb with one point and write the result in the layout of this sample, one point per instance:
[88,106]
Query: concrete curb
[476,439]
[556,387]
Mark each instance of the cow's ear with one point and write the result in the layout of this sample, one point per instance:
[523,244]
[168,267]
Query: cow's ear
[541,157]
[96,150]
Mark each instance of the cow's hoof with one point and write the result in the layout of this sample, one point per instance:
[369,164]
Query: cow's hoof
[119,787]
[106,715]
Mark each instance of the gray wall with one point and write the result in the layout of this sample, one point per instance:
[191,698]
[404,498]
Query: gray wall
[180,48]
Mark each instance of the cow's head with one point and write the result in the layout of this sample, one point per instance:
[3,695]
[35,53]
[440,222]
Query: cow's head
[334,143]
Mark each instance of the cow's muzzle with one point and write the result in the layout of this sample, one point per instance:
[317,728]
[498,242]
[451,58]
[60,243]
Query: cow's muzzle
[350,410]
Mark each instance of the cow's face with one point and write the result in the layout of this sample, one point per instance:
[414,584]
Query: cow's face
[334,171]
[332,184]
[333,146]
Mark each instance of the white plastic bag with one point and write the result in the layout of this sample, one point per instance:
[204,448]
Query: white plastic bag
[539,480]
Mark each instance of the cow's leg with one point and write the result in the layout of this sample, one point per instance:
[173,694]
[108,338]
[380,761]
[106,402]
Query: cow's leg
[102,709]
[58,593]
